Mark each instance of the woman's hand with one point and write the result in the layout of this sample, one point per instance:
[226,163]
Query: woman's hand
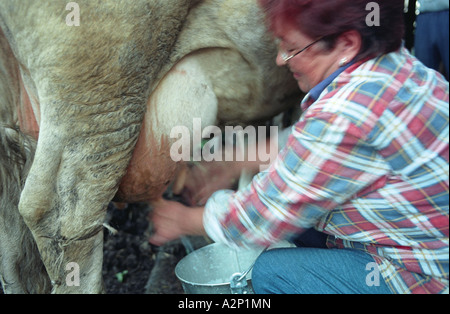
[203,179]
[171,220]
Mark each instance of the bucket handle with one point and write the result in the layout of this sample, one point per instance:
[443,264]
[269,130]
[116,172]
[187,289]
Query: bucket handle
[238,283]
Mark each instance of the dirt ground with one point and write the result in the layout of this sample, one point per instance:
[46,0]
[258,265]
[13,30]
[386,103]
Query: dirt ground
[133,266]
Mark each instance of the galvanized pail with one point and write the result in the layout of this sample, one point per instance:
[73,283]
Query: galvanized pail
[210,270]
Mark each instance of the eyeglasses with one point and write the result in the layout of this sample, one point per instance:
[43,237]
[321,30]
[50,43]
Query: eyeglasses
[286,57]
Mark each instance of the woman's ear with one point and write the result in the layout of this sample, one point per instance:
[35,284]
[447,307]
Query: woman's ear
[349,44]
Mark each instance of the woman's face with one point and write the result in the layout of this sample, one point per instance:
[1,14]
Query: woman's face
[314,64]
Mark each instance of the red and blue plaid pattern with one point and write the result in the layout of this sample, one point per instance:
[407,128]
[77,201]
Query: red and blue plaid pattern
[368,164]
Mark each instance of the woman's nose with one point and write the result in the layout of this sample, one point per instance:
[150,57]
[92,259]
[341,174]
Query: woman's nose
[279,59]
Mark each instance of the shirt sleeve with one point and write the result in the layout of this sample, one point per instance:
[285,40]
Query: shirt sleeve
[325,162]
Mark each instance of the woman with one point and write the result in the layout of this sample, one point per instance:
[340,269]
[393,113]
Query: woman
[366,165]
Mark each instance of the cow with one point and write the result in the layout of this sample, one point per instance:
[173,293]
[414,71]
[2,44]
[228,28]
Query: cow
[87,109]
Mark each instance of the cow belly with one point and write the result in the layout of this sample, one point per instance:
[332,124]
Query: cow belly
[27,113]
[184,94]
[16,103]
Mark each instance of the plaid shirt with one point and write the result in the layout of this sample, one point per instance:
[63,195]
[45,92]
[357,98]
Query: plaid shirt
[367,164]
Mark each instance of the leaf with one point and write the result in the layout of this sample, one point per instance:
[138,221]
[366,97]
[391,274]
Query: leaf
[121,275]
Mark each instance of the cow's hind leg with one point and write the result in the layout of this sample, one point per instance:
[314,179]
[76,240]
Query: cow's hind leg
[64,204]
[21,268]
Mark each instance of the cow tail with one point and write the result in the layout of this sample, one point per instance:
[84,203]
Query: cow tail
[17,245]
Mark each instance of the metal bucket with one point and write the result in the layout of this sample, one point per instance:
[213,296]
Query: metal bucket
[209,270]
[218,269]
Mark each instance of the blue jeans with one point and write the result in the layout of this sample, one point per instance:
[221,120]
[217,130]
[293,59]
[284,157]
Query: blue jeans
[309,270]
[432,39]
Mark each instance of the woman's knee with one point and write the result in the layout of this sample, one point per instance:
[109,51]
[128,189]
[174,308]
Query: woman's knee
[265,272]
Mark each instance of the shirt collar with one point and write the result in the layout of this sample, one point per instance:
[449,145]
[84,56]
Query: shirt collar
[319,88]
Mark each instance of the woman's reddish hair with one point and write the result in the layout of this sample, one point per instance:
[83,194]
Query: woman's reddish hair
[330,18]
